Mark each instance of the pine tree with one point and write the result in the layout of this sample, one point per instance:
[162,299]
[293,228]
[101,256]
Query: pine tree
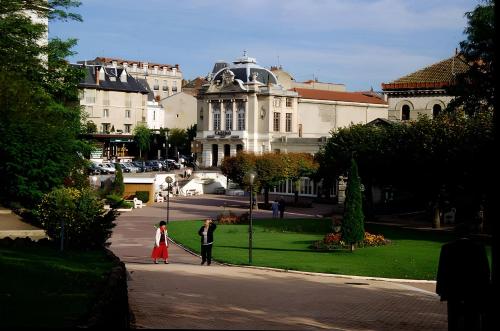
[353,230]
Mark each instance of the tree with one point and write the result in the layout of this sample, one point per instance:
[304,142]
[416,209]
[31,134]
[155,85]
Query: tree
[296,166]
[178,138]
[191,134]
[119,187]
[474,90]
[39,104]
[270,171]
[353,229]
[142,136]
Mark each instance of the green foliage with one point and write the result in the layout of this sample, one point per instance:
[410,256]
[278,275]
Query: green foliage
[39,104]
[142,195]
[119,187]
[86,223]
[475,89]
[353,221]
[142,136]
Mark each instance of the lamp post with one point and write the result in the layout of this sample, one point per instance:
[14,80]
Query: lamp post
[166,148]
[168,180]
[251,179]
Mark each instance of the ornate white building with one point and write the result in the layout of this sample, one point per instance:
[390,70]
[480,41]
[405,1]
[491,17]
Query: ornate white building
[245,107]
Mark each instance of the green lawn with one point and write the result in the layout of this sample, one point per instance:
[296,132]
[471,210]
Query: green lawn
[41,287]
[285,244]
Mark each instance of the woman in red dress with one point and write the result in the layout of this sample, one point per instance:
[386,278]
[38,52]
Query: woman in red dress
[160,251]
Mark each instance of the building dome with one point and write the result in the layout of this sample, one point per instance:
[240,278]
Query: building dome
[245,68]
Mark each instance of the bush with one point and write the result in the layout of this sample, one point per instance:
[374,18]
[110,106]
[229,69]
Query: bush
[231,218]
[86,223]
[142,195]
[116,201]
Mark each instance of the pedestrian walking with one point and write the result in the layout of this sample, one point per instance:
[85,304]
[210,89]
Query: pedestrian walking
[275,208]
[281,207]
[463,280]
[206,233]
[160,250]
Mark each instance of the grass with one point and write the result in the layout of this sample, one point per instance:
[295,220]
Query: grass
[284,244]
[42,287]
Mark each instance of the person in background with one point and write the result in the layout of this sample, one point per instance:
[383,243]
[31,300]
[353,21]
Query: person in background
[275,208]
[206,233]
[281,207]
[160,250]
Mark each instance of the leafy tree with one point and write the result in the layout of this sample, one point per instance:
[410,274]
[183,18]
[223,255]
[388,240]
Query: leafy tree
[178,138]
[86,223]
[39,104]
[142,136]
[270,171]
[475,89]
[119,187]
[296,166]
[191,134]
[353,229]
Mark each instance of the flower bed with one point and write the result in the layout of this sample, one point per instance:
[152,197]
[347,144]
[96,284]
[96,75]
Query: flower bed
[333,241]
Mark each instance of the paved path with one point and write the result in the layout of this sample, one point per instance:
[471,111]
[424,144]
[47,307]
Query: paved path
[184,294]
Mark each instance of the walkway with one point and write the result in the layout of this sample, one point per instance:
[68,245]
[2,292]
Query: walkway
[184,294]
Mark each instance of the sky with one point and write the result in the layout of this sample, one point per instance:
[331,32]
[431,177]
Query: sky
[359,43]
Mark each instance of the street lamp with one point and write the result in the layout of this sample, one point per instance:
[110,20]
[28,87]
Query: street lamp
[168,180]
[251,179]
[166,148]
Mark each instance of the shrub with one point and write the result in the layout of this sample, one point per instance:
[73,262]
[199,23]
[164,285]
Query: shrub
[118,186]
[231,218]
[142,195]
[116,201]
[86,223]
[353,219]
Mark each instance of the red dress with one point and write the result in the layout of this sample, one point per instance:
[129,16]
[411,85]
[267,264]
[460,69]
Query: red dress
[160,252]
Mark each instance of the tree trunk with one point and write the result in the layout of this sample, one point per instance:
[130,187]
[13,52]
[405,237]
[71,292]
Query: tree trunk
[266,196]
[436,221]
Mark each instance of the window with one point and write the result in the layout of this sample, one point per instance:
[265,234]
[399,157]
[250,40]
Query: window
[241,115]
[289,102]
[174,87]
[405,113]
[90,111]
[300,130]
[164,86]
[105,98]
[277,102]
[89,96]
[154,115]
[106,127]
[216,116]
[128,128]
[105,113]
[229,115]
[128,100]
[156,86]
[288,124]
[127,113]
[276,122]
[436,109]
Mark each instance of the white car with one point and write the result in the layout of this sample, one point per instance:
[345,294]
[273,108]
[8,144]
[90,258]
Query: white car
[111,167]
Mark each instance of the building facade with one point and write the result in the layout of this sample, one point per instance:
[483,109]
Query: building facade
[423,92]
[244,106]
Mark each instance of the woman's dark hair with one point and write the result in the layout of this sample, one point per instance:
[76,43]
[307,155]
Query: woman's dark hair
[163,223]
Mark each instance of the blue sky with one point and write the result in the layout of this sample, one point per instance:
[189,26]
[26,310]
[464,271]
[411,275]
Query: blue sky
[360,43]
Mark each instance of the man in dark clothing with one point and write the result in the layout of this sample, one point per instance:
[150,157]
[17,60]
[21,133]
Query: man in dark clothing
[463,280]
[206,233]
[281,207]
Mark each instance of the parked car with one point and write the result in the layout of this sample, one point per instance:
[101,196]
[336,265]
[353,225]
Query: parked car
[172,164]
[154,165]
[111,167]
[142,166]
[98,167]
[131,166]
[123,166]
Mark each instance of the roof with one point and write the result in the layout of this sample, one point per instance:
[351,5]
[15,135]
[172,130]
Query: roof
[437,75]
[109,60]
[111,80]
[360,97]
[243,69]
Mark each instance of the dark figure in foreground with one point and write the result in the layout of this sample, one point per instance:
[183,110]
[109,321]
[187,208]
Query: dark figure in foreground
[281,207]
[206,233]
[463,280]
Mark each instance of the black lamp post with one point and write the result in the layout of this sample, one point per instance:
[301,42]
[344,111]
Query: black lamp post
[168,180]
[251,179]
[166,148]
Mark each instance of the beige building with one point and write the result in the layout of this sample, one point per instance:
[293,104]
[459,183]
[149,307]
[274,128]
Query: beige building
[423,92]
[244,106]
[179,110]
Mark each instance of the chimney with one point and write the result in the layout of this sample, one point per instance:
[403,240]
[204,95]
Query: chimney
[96,75]
[101,73]
[123,76]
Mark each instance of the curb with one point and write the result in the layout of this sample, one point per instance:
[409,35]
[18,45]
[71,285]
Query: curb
[396,280]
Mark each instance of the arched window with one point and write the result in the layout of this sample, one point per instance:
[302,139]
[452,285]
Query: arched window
[216,116]
[436,110]
[405,113]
